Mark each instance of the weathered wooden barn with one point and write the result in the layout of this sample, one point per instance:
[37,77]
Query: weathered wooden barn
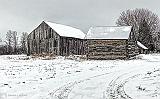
[111,43]
[57,39]
[102,42]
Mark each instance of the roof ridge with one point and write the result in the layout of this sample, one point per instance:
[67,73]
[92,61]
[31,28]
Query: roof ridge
[63,25]
[66,31]
[109,26]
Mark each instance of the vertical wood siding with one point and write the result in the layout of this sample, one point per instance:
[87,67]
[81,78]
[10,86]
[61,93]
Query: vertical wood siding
[45,40]
[72,46]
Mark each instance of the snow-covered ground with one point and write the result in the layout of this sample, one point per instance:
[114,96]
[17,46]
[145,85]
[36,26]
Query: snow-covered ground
[23,77]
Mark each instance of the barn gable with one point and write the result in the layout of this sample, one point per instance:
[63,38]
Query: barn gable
[57,39]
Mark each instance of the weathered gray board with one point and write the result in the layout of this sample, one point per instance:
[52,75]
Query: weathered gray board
[110,49]
[44,39]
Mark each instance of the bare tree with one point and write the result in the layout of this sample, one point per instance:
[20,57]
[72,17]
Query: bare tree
[14,41]
[146,25]
[9,41]
[24,42]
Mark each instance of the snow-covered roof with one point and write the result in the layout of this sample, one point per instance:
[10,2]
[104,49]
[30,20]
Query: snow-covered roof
[108,32]
[141,45]
[66,31]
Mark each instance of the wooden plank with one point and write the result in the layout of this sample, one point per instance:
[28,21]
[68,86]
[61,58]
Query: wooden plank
[107,57]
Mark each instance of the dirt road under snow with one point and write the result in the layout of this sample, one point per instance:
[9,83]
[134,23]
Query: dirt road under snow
[60,78]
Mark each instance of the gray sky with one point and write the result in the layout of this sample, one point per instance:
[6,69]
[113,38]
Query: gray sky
[25,15]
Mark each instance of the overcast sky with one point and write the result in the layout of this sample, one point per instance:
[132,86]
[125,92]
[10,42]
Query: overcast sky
[25,15]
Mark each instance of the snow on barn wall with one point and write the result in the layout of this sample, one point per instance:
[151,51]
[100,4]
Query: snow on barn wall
[111,43]
[57,39]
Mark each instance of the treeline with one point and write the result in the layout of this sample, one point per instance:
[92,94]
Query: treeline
[145,26]
[14,44]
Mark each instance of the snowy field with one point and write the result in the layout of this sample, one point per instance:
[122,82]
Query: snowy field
[22,77]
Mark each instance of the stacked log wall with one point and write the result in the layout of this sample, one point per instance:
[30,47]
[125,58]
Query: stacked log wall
[132,47]
[106,49]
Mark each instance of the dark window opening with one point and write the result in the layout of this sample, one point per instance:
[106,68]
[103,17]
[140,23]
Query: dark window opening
[50,33]
[34,35]
[55,43]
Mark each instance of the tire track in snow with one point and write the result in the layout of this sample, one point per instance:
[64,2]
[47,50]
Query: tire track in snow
[63,92]
[114,91]
[116,87]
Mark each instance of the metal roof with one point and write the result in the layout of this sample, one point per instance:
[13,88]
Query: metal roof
[109,32]
[66,31]
[141,45]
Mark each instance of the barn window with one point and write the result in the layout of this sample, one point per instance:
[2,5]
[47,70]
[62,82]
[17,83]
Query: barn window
[34,35]
[55,43]
[50,31]
[50,44]
[46,35]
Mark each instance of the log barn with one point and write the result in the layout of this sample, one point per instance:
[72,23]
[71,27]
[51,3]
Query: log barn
[57,39]
[116,42]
